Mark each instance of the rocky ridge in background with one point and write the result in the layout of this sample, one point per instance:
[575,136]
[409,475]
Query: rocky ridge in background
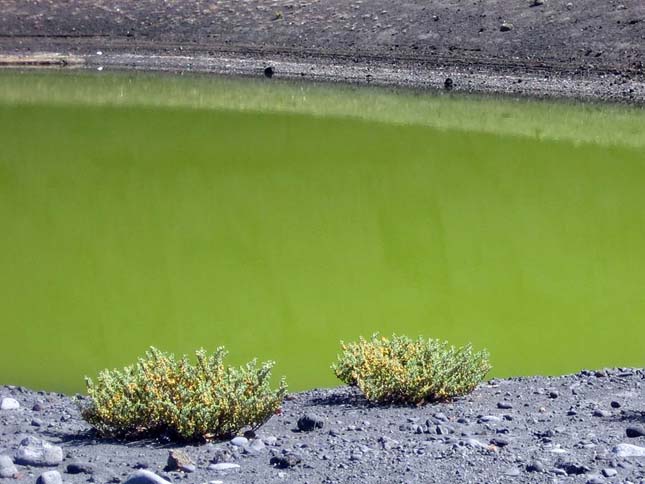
[584,428]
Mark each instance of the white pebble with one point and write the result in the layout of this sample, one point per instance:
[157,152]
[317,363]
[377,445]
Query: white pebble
[9,404]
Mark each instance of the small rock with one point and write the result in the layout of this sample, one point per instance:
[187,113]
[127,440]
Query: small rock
[9,404]
[475,443]
[615,404]
[558,450]
[601,413]
[537,3]
[387,443]
[145,477]
[535,466]
[178,460]
[268,72]
[50,477]
[609,472]
[257,445]
[635,431]
[36,422]
[36,452]
[7,469]
[309,422]
[271,440]
[490,418]
[221,455]
[499,442]
[506,27]
[448,84]
[595,479]
[240,441]
[572,468]
[285,461]
[629,450]
[553,395]
[512,472]
[80,468]
[504,405]
[224,466]
[37,407]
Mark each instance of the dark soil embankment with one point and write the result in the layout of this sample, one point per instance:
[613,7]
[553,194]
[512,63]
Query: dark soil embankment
[592,49]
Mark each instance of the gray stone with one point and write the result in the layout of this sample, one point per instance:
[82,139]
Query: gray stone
[224,466]
[635,431]
[506,27]
[572,468]
[609,472]
[601,413]
[285,461]
[36,452]
[50,477]
[535,466]
[629,450]
[9,404]
[512,472]
[257,445]
[595,479]
[309,422]
[475,443]
[499,442]
[490,418]
[387,443]
[504,405]
[240,441]
[270,440]
[7,469]
[178,460]
[221,455]
[80,468]
[143,476]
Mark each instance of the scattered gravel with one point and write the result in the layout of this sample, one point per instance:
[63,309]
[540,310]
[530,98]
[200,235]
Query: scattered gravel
[511,430]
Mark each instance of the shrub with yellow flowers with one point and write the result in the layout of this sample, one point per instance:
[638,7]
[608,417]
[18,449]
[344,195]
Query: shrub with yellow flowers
[164,395]
[402,370]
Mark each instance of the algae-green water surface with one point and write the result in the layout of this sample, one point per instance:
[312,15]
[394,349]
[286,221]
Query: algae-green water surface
[278,232]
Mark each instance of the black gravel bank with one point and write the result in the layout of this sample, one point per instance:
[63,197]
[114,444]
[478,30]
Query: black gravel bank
[583,428]
[591,49]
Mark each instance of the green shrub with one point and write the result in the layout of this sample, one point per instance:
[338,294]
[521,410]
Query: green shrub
[163,395]
[403,370]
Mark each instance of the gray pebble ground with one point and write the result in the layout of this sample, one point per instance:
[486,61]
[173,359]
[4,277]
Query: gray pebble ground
[585,428]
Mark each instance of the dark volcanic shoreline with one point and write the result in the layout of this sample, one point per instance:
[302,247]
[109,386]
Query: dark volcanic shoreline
[591,50]
[583,428]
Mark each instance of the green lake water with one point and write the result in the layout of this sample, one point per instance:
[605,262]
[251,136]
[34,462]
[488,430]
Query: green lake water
[277,234]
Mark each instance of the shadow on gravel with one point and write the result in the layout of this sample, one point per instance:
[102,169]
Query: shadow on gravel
[631,416]
[352,398]
[90,437]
